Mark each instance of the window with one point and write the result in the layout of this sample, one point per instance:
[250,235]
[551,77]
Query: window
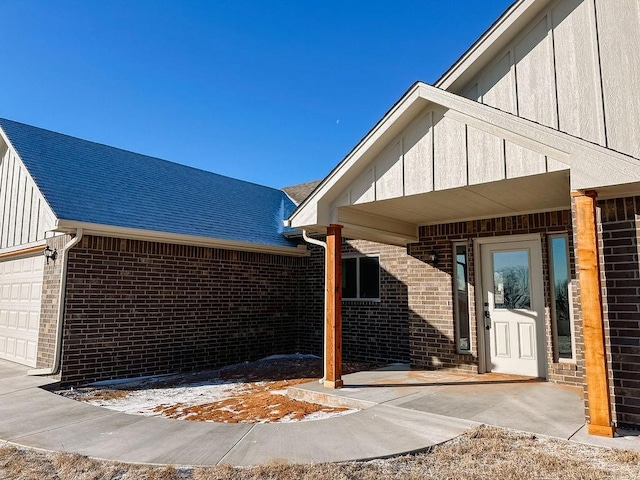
[361,278]
[461,298]
[560,297]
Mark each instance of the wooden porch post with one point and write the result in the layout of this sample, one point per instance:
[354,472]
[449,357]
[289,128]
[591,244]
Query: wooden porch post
[591,305]
[333,284]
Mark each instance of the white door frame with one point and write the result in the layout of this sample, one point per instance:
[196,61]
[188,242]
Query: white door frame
[484,353]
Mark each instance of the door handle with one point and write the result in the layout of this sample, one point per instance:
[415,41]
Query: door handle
[487,317]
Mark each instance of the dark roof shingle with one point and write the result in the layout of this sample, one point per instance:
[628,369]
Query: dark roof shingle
[91,182]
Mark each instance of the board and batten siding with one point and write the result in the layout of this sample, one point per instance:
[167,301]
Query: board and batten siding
[24,214]
[575,69]
[440,151]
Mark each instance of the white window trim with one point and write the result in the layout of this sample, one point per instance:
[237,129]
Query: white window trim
[552,292]
[456,313]
[358,256]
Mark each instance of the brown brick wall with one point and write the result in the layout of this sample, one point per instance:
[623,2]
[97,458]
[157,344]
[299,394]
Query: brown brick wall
[49,303]
[137,308]
[619,233]
[372,331]
[431,310]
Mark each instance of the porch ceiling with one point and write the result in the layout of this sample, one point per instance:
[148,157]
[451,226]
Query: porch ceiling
[376,220]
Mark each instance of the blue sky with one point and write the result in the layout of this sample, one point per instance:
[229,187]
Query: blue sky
[275,92]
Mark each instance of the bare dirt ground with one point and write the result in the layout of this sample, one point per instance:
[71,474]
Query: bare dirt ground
[485,452]
[252,392]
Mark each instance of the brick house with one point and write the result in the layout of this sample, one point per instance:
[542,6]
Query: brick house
[160,267]
[512,190]
[488,223]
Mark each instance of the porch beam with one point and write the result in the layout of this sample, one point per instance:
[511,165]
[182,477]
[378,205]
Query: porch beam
[591,305]
[333,328]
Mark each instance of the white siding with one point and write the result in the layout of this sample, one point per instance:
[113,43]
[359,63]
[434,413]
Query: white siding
[498,86]
[439,152]
[486,157]
[535,77]
[619,33]
[450,153]
[418,156]
[574,68]
[24,214]
[389,176]
[579,95]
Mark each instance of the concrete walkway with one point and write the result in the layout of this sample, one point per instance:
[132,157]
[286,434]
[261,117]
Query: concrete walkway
[405,411]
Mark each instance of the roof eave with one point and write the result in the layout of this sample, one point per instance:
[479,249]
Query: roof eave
[490,43]
[70,226]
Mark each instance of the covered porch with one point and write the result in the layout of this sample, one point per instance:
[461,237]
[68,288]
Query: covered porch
[438,162]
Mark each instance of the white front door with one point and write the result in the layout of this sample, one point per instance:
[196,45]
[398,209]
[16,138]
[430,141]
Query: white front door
[513,307]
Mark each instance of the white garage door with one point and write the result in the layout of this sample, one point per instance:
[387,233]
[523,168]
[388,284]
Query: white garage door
[20,291]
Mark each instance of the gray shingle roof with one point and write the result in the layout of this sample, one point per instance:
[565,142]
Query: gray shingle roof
[299,192]
[90,182]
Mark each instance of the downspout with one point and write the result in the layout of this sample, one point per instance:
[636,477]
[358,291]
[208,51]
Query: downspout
[322,244]
[60,314]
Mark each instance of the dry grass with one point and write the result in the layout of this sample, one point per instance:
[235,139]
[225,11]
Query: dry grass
[485,452]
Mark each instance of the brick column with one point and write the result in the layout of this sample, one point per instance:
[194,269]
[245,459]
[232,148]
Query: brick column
[333,285]
[591,305]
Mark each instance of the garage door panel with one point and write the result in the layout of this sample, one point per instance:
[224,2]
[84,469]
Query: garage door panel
[20,291]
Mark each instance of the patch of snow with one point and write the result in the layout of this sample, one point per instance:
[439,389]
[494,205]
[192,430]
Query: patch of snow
[145,401]
[278,392]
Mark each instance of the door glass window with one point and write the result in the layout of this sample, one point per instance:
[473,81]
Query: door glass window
[511,280]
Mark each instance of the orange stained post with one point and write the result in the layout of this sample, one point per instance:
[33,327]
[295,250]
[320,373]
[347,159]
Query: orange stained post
[333,284]
[591,305]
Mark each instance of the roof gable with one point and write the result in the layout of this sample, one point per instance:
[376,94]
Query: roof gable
[388,163]
[93,183]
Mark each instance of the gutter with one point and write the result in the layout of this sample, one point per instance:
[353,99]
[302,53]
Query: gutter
[322,244]
[61,296]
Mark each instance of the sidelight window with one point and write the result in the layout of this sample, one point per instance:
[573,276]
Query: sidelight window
[461,297]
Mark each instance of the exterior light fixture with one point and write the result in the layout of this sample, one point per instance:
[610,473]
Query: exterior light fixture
[50,254]
[433,257]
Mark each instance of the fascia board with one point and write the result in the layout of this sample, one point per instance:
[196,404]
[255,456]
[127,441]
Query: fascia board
[69,226]
[495,38]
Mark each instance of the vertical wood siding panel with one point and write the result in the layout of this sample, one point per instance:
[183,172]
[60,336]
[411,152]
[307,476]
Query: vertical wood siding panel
[577,77]
[418,157]
[363,188]
[554,165]
[4,169]
[534,74]
[11,227]
[450,153]
[486,157]
[33,214]
[389,177]
[521,161]
[619,37]
[497,85]
[6,200]
[22,188]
